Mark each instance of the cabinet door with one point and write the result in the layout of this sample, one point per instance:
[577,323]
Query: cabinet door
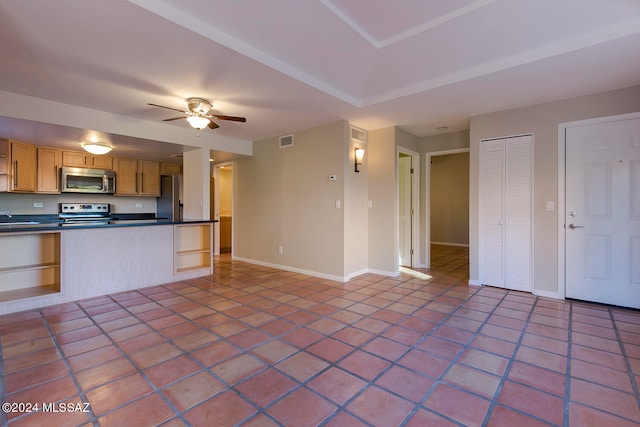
[101,162]
[170,168]
[75,159]
[149,175]
[48,166]
[126,176]
[23,167]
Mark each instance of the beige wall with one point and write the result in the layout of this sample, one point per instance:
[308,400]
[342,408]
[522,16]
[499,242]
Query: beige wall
[383,214]
[283,196]
[450,199]
[226,190]
[542,121]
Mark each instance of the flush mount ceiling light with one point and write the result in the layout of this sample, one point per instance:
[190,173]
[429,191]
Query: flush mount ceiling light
[97,149]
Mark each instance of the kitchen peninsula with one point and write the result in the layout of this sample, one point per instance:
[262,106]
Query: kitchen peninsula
[47,263]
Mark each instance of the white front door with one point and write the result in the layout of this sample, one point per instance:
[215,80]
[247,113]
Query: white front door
[602,220]
[405,210]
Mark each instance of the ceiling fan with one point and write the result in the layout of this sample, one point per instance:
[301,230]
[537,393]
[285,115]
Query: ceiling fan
[198,114]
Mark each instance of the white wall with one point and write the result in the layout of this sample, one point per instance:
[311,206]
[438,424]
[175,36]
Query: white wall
[542,121]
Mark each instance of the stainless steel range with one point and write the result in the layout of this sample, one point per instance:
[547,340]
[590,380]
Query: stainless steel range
[85,213]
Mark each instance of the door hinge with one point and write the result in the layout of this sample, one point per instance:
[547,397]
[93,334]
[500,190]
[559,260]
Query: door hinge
[411,251]
[411,170]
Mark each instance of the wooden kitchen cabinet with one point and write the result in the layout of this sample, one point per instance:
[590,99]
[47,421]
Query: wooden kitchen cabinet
[149,178]
[167,168]
[137,177]
[48,167]
[19,169]
[126,176]
[79,159]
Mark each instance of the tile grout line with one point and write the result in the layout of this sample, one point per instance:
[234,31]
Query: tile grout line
[496,395]
[92,416]
[567,387]
[632,378]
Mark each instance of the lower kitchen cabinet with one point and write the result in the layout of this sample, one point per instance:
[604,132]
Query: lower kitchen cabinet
[29,266]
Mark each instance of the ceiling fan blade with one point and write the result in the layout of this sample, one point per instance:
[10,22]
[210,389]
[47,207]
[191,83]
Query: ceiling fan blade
[168,108]
[212,125]
[173,118]
[231,118]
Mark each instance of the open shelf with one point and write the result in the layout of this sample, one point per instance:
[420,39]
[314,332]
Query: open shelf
[30,265]
[192,247]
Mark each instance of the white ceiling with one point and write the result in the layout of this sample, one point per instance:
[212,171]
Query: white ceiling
[292,64]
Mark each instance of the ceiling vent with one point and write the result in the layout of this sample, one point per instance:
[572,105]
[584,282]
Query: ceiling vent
[358,135]
[286,141]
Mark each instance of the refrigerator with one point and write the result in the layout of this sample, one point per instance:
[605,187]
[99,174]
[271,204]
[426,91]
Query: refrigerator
[168,204]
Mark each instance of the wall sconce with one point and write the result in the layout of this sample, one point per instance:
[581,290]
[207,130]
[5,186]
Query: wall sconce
[359,155]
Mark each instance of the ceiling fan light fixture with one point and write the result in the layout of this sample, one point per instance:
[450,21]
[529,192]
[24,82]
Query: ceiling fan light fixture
[198,122]
[96,149]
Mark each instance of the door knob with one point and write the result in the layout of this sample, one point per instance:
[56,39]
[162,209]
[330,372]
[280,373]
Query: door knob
[573,226]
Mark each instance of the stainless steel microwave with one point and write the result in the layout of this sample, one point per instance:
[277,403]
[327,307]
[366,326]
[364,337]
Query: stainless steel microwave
[81,180]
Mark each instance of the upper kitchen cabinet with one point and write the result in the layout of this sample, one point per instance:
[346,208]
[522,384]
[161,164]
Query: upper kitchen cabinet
[48,167]
[149,177]
[78,159]
[17,166]
[167,168]
[137,177]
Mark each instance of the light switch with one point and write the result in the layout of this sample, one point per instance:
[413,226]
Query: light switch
[550,205]
[338,204]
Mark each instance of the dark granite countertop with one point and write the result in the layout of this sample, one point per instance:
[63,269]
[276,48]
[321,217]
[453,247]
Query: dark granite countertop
[22,223]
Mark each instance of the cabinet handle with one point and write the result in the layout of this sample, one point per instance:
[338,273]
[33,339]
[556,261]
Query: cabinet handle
[142,182]
[15,174]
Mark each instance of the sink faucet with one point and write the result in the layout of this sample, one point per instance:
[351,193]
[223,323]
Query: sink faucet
[6,213]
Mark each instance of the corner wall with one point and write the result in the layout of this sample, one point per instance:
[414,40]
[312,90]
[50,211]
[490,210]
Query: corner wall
[283,197]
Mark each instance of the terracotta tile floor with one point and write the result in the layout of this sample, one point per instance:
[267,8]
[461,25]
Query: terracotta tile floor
[255,346]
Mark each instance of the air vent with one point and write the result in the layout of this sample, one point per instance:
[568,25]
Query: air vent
[286,141]
[358,135]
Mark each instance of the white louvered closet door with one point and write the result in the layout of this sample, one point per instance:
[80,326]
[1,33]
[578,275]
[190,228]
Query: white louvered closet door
[506,181]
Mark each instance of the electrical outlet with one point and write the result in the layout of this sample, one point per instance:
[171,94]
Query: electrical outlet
[139,205]
[38,205]
[280,249]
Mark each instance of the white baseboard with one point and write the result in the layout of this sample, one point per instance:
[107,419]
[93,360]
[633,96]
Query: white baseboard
[547,294]
[384,273]
[316,273]
[473,282]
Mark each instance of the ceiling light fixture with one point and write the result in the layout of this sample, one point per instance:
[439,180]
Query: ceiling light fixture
[198,122]
[97,149]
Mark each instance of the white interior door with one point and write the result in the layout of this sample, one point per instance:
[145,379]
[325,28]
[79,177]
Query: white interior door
[405,210]
[602,229]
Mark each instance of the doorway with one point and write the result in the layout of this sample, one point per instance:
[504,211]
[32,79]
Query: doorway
[457,201]
[408,207]
[600,220]
[222,200]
